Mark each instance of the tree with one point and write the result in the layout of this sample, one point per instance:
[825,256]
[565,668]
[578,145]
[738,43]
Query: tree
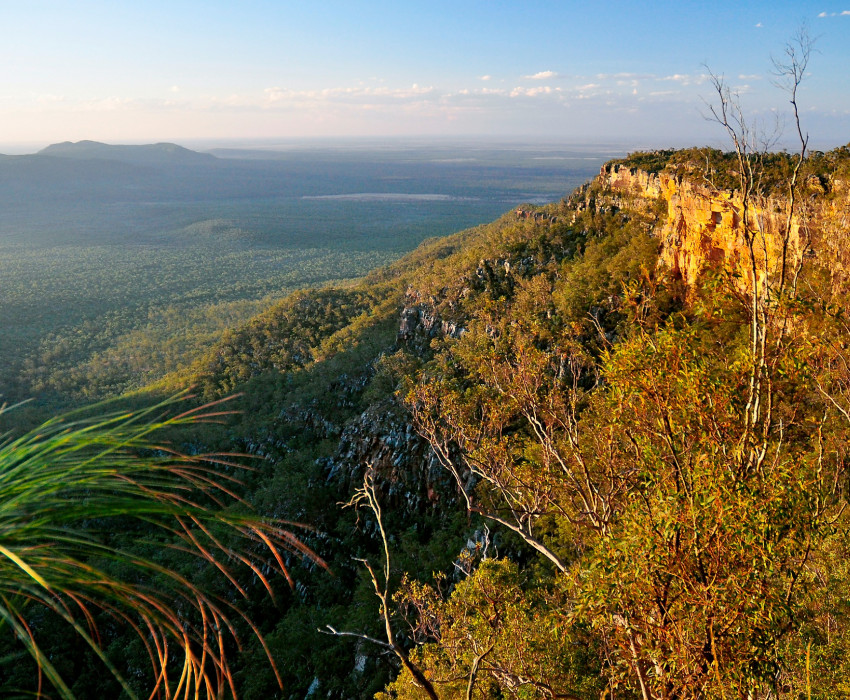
[678,476]
[368,495]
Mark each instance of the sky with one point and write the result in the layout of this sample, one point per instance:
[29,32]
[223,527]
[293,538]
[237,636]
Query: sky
[274,70]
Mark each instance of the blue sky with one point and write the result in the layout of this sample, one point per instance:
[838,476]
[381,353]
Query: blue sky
[185,71]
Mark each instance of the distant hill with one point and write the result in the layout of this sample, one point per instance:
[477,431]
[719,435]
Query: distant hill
[89,191]
[147,154]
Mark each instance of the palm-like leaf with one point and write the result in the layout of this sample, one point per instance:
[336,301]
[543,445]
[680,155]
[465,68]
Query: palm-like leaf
[64,486]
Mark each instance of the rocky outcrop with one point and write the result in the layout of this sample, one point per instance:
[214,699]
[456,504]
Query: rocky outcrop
[407,471]
[421,321]
[699,228]
[537,215]
[704,227]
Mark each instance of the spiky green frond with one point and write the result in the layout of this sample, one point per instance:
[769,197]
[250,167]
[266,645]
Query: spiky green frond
[71,485]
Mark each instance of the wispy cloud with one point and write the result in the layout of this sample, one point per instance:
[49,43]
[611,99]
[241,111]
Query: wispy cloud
[277,94]
[625,76]
[686,79]
[355,101]
[843,13]
[534,92]
[465,92]
[632,80]
[542,75]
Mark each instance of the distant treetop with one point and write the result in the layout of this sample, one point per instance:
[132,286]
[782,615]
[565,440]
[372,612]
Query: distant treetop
[720,169]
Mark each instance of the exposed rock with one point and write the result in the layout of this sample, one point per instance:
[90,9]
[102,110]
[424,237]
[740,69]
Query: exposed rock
[538,215]
[408,472]
[704,227]
[421,322]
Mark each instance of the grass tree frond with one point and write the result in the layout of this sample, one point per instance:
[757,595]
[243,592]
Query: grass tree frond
[72,486]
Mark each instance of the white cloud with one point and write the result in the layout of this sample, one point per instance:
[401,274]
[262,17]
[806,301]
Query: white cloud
[625,76]
[843,13]
[175,88]
[759,25]
[486,77]
[684,79]
[543,75]
[744,76]
[533,92]
[627,80]
[472,94]
[344,94]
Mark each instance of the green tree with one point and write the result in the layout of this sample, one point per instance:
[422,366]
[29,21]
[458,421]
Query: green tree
[678,471]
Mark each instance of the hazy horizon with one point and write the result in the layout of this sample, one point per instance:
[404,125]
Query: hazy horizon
[273,145]
[507,142]
[543,69]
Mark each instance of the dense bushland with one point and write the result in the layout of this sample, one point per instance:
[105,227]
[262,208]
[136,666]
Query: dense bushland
[592,481]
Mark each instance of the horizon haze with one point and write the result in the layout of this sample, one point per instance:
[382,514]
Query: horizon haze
[215,72]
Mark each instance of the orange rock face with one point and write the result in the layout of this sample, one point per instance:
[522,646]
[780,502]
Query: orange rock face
[705,226]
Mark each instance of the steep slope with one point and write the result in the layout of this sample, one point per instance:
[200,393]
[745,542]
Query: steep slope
[558,411]
[632,282]
[661,442]
[323,377]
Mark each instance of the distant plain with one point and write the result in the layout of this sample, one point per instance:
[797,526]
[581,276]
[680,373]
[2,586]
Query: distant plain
[119,265]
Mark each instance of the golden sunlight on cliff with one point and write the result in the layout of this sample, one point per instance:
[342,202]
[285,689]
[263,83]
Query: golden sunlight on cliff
[704,225]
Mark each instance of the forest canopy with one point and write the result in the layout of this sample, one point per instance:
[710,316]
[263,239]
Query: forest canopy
[596,448]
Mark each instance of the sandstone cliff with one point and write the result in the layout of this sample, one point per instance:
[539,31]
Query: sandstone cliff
[704,225]
[698,227]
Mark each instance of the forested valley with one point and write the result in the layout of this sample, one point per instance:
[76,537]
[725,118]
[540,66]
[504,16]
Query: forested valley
[593,449]
[121,264]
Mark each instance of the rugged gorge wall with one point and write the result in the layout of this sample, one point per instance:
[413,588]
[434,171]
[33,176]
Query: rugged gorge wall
[704,225]
[699,227]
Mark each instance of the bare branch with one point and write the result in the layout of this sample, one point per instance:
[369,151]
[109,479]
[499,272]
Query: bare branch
[336,633]
[368,495]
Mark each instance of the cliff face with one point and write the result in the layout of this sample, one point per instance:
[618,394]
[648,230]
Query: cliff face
[408,472]
[698,228]
[704,226]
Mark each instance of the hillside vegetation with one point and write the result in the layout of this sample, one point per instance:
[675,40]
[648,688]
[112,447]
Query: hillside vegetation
[594,456]
[635,528]
[121,264]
